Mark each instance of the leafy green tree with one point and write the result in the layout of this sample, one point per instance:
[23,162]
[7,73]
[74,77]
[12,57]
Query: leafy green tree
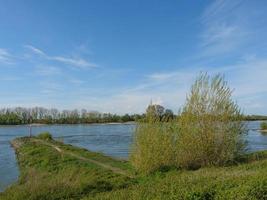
[209,131]
[168,115]
[211,125]
[154,111]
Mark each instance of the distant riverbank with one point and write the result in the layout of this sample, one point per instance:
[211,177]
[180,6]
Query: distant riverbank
[59,124]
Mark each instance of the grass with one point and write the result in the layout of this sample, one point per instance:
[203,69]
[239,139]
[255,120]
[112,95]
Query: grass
[49,174]
[247,181]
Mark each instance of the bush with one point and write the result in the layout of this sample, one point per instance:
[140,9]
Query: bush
[45,136]
[264,126]
[211,125]
[153,146]
[207,132]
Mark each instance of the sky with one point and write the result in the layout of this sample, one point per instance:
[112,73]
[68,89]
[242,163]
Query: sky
[118,55]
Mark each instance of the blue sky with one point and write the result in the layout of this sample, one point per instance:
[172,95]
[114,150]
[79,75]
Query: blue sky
[117,55]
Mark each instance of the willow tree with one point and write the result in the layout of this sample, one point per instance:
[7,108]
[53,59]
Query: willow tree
[210,125]
[208,131]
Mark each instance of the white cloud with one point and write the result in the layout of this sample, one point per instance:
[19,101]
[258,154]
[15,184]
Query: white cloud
[162,76]
[49,87]
[247,78]
[165,88]
[72,61]
[47,70]
[181,75]
[219,10]
[79,62]
[5,56]
[35,50]
[224,31]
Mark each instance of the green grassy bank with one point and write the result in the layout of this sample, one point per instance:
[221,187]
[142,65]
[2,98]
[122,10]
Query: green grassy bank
[53,170]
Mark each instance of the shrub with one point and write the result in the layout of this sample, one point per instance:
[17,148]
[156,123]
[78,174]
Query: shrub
[45,136]
[153,146]
[207,132]
[264,126]
[211,125]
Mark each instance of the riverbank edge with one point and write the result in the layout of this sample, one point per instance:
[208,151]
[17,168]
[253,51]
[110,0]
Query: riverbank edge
[17,143]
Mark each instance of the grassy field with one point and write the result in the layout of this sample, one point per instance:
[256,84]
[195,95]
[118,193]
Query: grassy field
[53,170]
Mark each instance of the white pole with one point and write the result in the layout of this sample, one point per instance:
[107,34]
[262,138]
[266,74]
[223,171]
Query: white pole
[30,130]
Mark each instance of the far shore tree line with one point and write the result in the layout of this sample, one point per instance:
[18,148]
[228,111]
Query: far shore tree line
[40,115]
[19,115]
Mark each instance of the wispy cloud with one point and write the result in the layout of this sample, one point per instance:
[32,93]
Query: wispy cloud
[35,50]
[171,87]
[223,29]
[181,75]
[76,81]
[49,87]
[5,56]
[77,62]
[219,10]
[162,76]
[47,70]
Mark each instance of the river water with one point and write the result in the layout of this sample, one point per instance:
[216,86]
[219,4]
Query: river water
[110,139]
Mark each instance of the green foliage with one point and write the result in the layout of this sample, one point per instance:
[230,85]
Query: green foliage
[255,117]
[153,146]
[207,132]
[211,125]
[9,118]
[155,111]
[264,126]
[14,116]
[45,136]
[241,182]
[158,113]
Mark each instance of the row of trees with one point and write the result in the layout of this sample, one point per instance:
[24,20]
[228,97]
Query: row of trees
[255,117]
[19,115]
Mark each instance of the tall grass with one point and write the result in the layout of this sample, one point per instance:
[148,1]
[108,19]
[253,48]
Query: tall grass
[207,132]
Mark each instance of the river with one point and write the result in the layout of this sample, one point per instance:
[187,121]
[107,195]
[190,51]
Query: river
[110,139]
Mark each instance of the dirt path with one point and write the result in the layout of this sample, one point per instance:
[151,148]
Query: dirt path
[106,166]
